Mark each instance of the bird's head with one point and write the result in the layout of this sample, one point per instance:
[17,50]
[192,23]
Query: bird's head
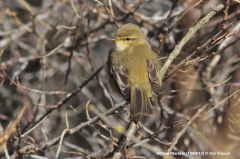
[127,36]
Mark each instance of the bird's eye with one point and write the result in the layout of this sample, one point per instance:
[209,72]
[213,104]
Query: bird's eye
[128,39]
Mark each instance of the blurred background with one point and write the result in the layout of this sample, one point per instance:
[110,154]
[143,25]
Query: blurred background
[49,48]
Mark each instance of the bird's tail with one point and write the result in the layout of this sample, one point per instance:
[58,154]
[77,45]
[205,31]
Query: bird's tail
[140,103]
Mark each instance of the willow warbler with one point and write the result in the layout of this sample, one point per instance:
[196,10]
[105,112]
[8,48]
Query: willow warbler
[132,69]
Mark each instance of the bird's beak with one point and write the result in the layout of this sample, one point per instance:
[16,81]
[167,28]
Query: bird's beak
[114,39]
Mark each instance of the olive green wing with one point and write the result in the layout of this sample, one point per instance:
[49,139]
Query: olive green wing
[153,77]
[117,75]
[121,77]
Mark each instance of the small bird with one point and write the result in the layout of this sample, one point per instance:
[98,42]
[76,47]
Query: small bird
[132,69]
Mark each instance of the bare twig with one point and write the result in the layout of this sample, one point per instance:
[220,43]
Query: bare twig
[62,101]
[190,33]
[171,27]
[165,22]
[30,149]
[71,52]
[225,14]
[175,140]
[200,50]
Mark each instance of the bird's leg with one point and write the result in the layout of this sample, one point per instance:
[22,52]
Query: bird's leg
[135,119]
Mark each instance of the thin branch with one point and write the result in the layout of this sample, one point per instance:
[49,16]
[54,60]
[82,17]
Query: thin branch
[187,37]
[62,101]
[175,140]
[33,148]
[225,14]
[166,21]
[200,50]
[171,27]
[71,52]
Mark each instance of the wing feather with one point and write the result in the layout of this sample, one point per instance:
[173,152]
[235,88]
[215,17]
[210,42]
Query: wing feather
[121,75]
[152,74]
